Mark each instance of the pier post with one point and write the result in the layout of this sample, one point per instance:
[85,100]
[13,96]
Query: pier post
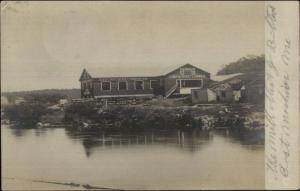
[103,139]
[152,138]
[182,138]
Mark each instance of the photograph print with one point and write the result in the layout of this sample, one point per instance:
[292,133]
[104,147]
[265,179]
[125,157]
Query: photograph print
[132,95]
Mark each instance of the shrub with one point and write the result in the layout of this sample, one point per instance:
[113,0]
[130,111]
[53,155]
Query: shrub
[26,114]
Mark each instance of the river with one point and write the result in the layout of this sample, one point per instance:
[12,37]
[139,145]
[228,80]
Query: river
[157,160]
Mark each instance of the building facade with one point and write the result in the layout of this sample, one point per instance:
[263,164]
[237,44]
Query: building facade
[179,81]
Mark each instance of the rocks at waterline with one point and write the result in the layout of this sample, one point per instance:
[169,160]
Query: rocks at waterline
[141,118]
[137,117]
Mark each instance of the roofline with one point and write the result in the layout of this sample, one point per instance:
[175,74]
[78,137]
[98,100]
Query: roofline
[94,78]
[186,65]
[226,80]
[159,76]
[215,85]
[84,70]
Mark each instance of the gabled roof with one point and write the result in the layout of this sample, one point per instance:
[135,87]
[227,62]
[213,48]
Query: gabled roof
[84,72]
[219,78]
[144,71]
[237,81]
[223,86]
[181,66]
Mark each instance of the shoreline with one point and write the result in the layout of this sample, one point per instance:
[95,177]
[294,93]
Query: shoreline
[146,115]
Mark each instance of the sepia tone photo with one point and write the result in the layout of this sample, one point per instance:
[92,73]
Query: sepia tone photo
[127,95]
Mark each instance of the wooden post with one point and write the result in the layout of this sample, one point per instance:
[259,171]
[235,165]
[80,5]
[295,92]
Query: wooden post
[103,140]
[152,138]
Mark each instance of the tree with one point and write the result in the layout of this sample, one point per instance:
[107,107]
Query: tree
[248,64]
[26,114]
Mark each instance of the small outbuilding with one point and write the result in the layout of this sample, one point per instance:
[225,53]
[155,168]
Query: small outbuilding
[241,88]
[224,92]
[204,95]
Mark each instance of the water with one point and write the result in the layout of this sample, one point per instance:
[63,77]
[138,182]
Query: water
[160,160]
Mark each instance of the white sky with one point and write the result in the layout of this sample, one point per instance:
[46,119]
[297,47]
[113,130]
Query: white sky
[47,44]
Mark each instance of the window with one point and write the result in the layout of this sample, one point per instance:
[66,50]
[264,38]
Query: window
[106,86]
[153,84]
[188,71]
[122,85]
[191,83]
[139,85]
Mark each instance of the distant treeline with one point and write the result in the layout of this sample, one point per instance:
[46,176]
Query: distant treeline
[47,95]
[248,64]
[36,104]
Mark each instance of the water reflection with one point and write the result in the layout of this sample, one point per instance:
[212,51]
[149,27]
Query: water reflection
[22,132]
[191,159]
[188,140]
[18,132]
[191,140]
[244,136]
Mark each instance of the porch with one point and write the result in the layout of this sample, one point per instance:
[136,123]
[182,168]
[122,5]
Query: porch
[184,86]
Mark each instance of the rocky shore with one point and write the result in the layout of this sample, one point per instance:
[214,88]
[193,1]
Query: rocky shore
[85,116]
[154,114]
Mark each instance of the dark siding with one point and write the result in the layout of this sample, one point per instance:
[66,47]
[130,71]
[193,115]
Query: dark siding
[207,82]
[114,86]
[97,88]
[169,83]
[228,95]
[130,87]
[202,96]
[147,84]
[89,86]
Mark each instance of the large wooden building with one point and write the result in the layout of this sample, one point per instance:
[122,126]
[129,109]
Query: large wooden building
[178,81]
